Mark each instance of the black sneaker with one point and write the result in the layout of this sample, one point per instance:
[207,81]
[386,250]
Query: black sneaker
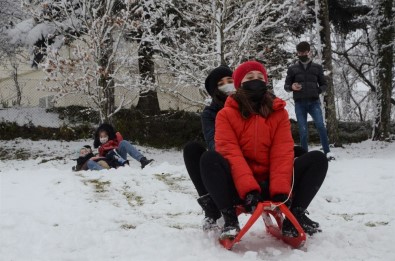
[288,230]
[330,156]
[229,232]
[309,221]
[231,228]
[144,162]
[211,212]
[209,224]
[309,226]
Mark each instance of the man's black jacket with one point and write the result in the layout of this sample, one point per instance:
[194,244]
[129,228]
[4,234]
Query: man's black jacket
[312,80]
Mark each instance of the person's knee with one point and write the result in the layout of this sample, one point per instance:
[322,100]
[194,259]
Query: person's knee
[319,158]
[320,126]
[210,156]
[90,164]
[299,151]
[211,163]
[193,148]
[123,143]
[302,133]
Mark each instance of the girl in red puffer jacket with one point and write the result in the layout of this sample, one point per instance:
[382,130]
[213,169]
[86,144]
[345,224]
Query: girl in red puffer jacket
[254,157]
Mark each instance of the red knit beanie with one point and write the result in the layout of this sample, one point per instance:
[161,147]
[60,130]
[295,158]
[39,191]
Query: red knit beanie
[245,68]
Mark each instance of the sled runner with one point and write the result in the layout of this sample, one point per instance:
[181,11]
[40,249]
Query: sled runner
[269,211]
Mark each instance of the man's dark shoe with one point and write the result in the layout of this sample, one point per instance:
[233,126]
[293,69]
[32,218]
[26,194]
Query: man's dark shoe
[144,162]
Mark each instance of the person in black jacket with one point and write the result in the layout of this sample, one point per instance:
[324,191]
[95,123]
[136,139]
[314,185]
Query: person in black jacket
[219,84]
[307,81]
[87,159]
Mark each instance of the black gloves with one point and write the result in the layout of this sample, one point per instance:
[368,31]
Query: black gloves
[280,198]
[251,201]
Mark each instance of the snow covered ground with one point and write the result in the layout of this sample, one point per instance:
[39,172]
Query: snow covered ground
[31,115]
[48,212]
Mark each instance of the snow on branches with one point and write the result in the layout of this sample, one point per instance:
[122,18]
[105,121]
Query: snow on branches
[96,58]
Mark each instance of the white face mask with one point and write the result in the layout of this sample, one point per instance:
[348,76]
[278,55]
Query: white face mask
[103,140]
[228,88]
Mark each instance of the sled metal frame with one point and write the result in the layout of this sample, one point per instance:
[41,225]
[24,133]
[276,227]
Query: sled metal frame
[268,210]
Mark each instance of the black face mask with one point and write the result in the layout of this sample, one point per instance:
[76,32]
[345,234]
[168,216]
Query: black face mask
[303,58]
[255,89]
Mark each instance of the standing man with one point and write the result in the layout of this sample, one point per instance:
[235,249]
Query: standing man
[306,80]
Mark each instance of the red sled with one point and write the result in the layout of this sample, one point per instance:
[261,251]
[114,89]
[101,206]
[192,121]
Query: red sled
[269,211]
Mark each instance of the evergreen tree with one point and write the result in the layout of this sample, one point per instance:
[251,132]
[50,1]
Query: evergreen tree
[385,37]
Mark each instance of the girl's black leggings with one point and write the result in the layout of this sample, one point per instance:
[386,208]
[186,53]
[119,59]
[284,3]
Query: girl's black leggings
[210,173]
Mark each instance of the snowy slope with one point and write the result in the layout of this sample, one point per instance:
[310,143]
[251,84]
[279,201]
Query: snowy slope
[48,212]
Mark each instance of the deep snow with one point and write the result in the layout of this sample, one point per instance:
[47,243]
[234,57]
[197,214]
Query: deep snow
[48,212]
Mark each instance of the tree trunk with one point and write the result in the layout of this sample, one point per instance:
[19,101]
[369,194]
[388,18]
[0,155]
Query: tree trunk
[385,37]
[148,100]
[218,9]
[106,82]
[329,97]
[17,86]
[345,86]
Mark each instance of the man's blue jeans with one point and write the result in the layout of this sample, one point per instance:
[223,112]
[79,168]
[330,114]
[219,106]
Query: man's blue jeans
[312,107]
[125,148]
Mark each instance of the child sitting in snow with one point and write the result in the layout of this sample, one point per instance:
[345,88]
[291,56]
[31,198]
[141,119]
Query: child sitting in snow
[112,146]
[88,161]
[86,155]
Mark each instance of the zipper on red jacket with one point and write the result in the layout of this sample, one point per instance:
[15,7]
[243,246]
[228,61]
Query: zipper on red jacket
[256,136]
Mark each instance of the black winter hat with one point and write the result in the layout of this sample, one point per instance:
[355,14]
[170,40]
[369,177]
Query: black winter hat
[215,76]
[103,127]
[303,47]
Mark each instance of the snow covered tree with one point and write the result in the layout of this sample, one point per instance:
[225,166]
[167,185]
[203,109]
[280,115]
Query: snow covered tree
[197,36]
[326,55]
[385,37]
[148,102]
[11,54]
[11,57]
[99,59]
[368,49]
[10,13]
[347,17]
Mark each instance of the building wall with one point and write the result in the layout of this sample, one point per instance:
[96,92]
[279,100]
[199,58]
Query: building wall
[32,81]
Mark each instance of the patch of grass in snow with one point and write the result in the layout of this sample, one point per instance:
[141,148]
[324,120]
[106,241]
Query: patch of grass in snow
[176,227]
[174,214]
[133,199]
[349,217]
[47,160]
[14,154]
[128,226]
[100,186]
[172,182]
[375,224]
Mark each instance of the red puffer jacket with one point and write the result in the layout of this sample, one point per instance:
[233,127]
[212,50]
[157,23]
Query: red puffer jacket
[256,148]
[110,145]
